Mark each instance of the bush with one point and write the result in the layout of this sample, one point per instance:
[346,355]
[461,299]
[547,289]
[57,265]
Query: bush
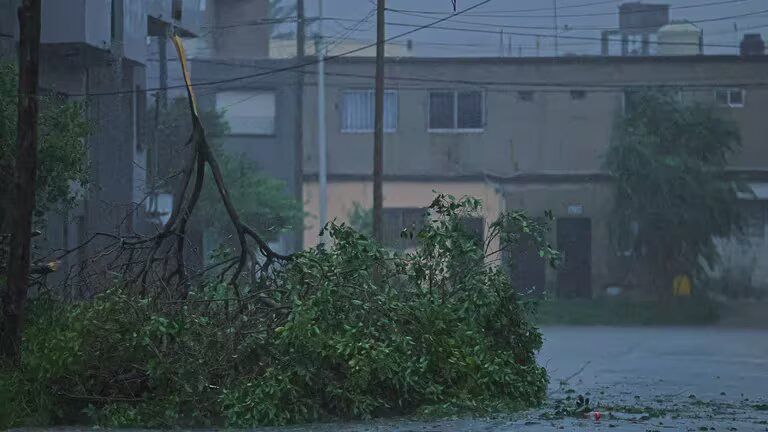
[351,331]
[698,310]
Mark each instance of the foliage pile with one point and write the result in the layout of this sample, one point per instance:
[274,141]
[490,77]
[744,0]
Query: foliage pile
[348,330]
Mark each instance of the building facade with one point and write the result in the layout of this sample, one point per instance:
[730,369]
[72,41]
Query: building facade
[522,134]
[96,51]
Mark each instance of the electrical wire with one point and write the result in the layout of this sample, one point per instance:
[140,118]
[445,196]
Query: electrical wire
[293,67]
[699,21]
[505,14]
[349,31]
[561,36]
[577,84]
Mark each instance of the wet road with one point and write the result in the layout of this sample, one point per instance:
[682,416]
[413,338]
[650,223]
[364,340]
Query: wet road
[644,379]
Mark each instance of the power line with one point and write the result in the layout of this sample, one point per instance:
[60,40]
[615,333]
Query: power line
[355,50]
[349,31]
[594,3]
[722,18]
[505,26]
[504,14]
[294,67]
[492,45]
[689,84]
[419,14]
[547,35]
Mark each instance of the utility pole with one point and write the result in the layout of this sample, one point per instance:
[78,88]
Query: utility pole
[161,106]
[501,43]
[162,94]
[298,157]
[322,172]
[378,138]
[15,295]
[554,28]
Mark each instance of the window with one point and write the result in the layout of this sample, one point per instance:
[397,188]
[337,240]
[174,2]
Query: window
[248,112]
[525,96]
[578,95]
[177,10]
[733,98]
[395,220]
[358,108]
[452,110]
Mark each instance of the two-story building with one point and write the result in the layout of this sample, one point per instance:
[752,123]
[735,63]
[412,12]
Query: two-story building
[521,133]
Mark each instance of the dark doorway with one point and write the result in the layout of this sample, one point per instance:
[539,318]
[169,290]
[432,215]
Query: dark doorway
[528,269]
[574,241]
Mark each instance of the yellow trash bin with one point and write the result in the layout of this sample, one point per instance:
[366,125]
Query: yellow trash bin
[681,286]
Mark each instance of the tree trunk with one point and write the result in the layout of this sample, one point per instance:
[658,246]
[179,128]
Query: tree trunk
[15,296]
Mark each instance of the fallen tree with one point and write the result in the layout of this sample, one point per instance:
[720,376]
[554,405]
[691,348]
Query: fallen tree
[343,330]
[440,329]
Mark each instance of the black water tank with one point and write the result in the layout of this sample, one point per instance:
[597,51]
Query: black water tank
[752,44]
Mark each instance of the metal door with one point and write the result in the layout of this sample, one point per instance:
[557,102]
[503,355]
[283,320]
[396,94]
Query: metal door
[528,269]
[574,241]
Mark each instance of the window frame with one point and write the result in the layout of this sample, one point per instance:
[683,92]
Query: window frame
[456,129]
[395,92]
[728,91]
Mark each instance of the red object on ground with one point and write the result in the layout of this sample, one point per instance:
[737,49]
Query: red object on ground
[597,415]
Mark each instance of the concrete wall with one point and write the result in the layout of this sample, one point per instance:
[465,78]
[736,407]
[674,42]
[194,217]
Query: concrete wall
[343,195]
[234,41]
[134,38]
[595,200]
[553,133]
[546,153]
[275,153]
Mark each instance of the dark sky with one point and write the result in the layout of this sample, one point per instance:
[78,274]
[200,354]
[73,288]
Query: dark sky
[578,22]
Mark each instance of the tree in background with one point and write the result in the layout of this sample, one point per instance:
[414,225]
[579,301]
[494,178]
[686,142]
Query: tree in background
[262,201]
[62,154]
[673,198]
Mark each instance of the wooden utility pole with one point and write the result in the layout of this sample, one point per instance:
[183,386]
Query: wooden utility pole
[298,157]
[322,145]
[378,138]
[15,296]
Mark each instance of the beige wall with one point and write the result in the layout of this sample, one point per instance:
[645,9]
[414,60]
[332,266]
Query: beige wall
[595,201]
[343,195]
